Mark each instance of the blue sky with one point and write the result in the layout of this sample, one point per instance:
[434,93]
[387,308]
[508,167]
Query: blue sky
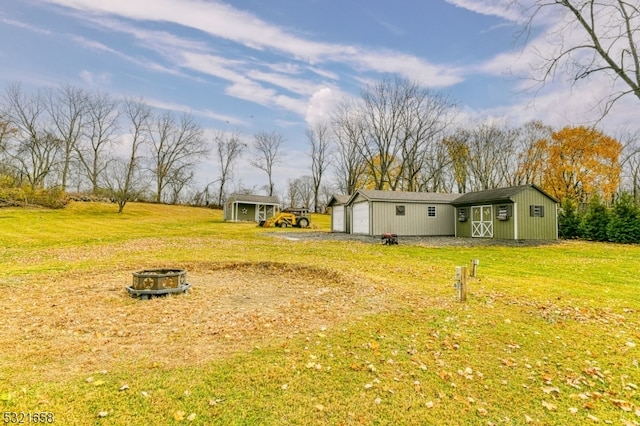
[279,65]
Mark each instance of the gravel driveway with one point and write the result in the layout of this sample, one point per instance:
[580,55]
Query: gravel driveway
[415,241]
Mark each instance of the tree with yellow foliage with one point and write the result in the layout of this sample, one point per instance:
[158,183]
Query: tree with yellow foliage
[580,162]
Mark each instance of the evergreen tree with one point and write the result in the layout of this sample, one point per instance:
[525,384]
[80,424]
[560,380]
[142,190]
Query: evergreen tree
[568,220]
[596,220]
[624,225]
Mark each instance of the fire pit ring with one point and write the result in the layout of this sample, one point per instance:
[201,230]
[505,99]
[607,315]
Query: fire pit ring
[157,282]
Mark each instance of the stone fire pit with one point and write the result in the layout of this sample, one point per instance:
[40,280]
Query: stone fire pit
[157,282]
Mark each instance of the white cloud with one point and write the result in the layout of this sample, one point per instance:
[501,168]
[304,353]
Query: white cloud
[25,26]
[95,79]
[224,21]
[410,67]
[213,65]
[324,73]
[298,86]
[320,106]
[169,106]
[93,45]
[500,8]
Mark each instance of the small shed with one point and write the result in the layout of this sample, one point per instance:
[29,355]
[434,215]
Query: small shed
[250,208]
[340,217]
[375,212]
[523,212]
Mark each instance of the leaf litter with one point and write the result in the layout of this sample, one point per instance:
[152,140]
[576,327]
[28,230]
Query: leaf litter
[78,323]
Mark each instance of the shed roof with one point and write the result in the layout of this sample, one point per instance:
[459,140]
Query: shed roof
[338,200]
[404,196]
[253,199]
[495,195]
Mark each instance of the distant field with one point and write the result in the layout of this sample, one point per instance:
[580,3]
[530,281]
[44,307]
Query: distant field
[298,331]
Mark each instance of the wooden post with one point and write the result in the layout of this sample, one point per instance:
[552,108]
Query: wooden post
[463,283]
[473,270]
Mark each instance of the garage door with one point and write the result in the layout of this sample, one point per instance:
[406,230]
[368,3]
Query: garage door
[337,219]
[360,214]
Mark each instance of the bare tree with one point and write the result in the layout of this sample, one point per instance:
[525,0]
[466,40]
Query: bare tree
[383,105]
[349,132]
[458,153]
[631,163]
[596,38]
[67,106]
[301,192]
[6,131]
[487,150]
[34,150]
[125,180]
[228,149]
[319,138]
[632,173]
[433,174]
[530,156]
[266,150]
[175,149]
[424,120]
[100,131]
[403,126]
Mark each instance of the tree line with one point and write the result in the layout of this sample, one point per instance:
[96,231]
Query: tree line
[397,135]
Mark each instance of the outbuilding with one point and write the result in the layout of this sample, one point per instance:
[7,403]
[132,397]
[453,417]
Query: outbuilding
[340,218]
[250,208]
[523,212]
[375,212]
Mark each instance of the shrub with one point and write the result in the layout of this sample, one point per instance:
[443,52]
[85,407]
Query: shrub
[595,221]
[624,225]
[14,195]
[568,220]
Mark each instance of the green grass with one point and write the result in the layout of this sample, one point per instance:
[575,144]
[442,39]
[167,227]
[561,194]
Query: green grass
[548,335]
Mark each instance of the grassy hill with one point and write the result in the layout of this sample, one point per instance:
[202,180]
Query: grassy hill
[297,331]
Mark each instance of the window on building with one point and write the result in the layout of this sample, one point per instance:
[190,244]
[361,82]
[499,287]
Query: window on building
[503,213]
[536,211]
[431,211]
[462,215]
[399,210]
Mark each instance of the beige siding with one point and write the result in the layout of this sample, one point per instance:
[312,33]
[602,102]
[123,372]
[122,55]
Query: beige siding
[415,220]
[338,219]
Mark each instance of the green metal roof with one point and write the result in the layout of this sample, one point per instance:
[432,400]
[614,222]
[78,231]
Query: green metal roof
[495,195]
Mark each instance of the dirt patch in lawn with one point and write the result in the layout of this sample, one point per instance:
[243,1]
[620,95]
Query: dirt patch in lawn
[78,324]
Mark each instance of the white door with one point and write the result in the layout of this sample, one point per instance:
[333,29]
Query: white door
[261,213]
[337,219]
[482,222]
[360,216]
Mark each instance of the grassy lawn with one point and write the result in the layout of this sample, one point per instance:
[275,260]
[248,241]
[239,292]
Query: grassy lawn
[296,331]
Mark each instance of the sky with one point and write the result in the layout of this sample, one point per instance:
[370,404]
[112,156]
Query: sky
[254,66]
